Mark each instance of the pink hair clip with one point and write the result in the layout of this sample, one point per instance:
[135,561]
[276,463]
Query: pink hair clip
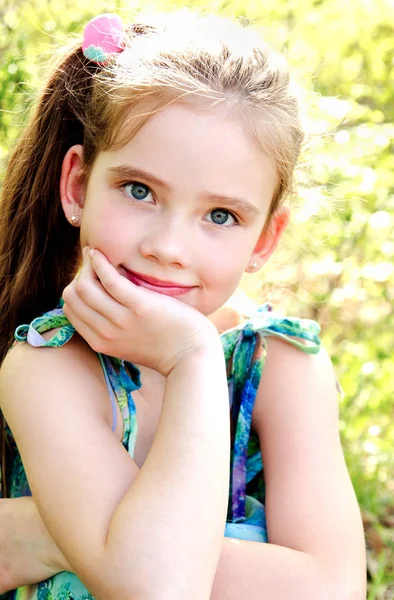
[103,35]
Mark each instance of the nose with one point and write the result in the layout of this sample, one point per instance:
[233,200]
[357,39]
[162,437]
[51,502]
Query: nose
[167,241]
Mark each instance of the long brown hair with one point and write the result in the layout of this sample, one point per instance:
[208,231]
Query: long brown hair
[182,56]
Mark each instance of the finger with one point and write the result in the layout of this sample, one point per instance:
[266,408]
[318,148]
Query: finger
[90,290]
[77,306]
[86,269]
[117,286]
[95,341]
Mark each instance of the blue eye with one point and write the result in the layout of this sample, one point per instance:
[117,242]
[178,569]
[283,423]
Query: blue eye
[136,190]
[220,216]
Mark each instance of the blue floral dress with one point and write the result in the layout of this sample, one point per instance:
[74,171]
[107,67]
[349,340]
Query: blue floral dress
[245,350]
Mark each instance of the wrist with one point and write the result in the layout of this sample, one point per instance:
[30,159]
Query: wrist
[27,526]
[202,362]
[47,552]
[203,347]
[27,552]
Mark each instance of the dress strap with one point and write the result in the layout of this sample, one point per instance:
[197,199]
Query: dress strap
[54,319]
[290,329]
[245,351]
[121,377]
[124,378]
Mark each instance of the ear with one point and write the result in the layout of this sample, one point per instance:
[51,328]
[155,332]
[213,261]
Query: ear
[269,238]
[71,187]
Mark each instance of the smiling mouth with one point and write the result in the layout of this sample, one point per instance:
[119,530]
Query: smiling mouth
[169,288]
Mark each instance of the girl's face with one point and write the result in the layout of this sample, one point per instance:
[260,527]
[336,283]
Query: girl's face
[184,203]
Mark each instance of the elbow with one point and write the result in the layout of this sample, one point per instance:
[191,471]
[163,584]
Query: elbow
[355,587]
[128,594]
[338,580]
[152,592]
[340,592]
[356,591]
[141,583]
[6,584]
[3,587]
[343,587]
[116,585]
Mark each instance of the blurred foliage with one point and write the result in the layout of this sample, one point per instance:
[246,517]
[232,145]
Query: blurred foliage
[336,262]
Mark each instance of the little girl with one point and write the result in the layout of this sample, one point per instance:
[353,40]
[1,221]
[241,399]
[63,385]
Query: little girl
[151,176]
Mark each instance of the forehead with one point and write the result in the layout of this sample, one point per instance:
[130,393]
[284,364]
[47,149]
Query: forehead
[206,149]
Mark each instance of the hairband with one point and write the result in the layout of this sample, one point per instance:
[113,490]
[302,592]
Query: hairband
[103,36]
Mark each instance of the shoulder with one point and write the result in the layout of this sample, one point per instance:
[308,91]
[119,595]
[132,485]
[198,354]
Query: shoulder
[37,362]
[310,501]
[297,395]
[294,378]
[54,401]
[27,371]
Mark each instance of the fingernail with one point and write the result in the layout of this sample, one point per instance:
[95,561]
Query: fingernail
[92,252]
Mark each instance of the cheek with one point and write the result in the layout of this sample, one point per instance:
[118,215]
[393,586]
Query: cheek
[106,232]
[227,265]
[220,280]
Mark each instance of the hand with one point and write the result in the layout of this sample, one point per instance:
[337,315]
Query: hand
[28,553]
[121,319]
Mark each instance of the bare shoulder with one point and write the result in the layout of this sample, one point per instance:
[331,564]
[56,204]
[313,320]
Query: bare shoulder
[72,366]
[54,400]
[310,502]
[296,413]
[296,382]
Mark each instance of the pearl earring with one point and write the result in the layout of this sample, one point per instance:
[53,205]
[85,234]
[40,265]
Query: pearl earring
[75,220]
[252,264]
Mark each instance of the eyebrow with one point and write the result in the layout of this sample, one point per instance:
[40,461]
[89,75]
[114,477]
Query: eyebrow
[128,172]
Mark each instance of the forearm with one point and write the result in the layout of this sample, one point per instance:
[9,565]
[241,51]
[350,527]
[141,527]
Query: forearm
[28,553]
[261,571]
[169,526]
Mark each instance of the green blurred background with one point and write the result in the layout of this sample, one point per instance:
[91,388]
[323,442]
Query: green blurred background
[336,262]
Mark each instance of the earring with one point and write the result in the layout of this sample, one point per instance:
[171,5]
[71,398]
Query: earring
[75,220]
[252,264]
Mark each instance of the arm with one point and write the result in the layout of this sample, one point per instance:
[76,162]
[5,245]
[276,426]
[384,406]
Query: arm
[63,413]
[27,552]
[240,567]
[317,548]
[116,546]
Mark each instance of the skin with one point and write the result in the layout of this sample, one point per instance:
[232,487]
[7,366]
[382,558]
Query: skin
[170,235]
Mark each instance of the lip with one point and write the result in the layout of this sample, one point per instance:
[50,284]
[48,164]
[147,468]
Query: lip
[170,288]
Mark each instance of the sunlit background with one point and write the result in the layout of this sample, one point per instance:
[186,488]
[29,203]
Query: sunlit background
[336,263]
